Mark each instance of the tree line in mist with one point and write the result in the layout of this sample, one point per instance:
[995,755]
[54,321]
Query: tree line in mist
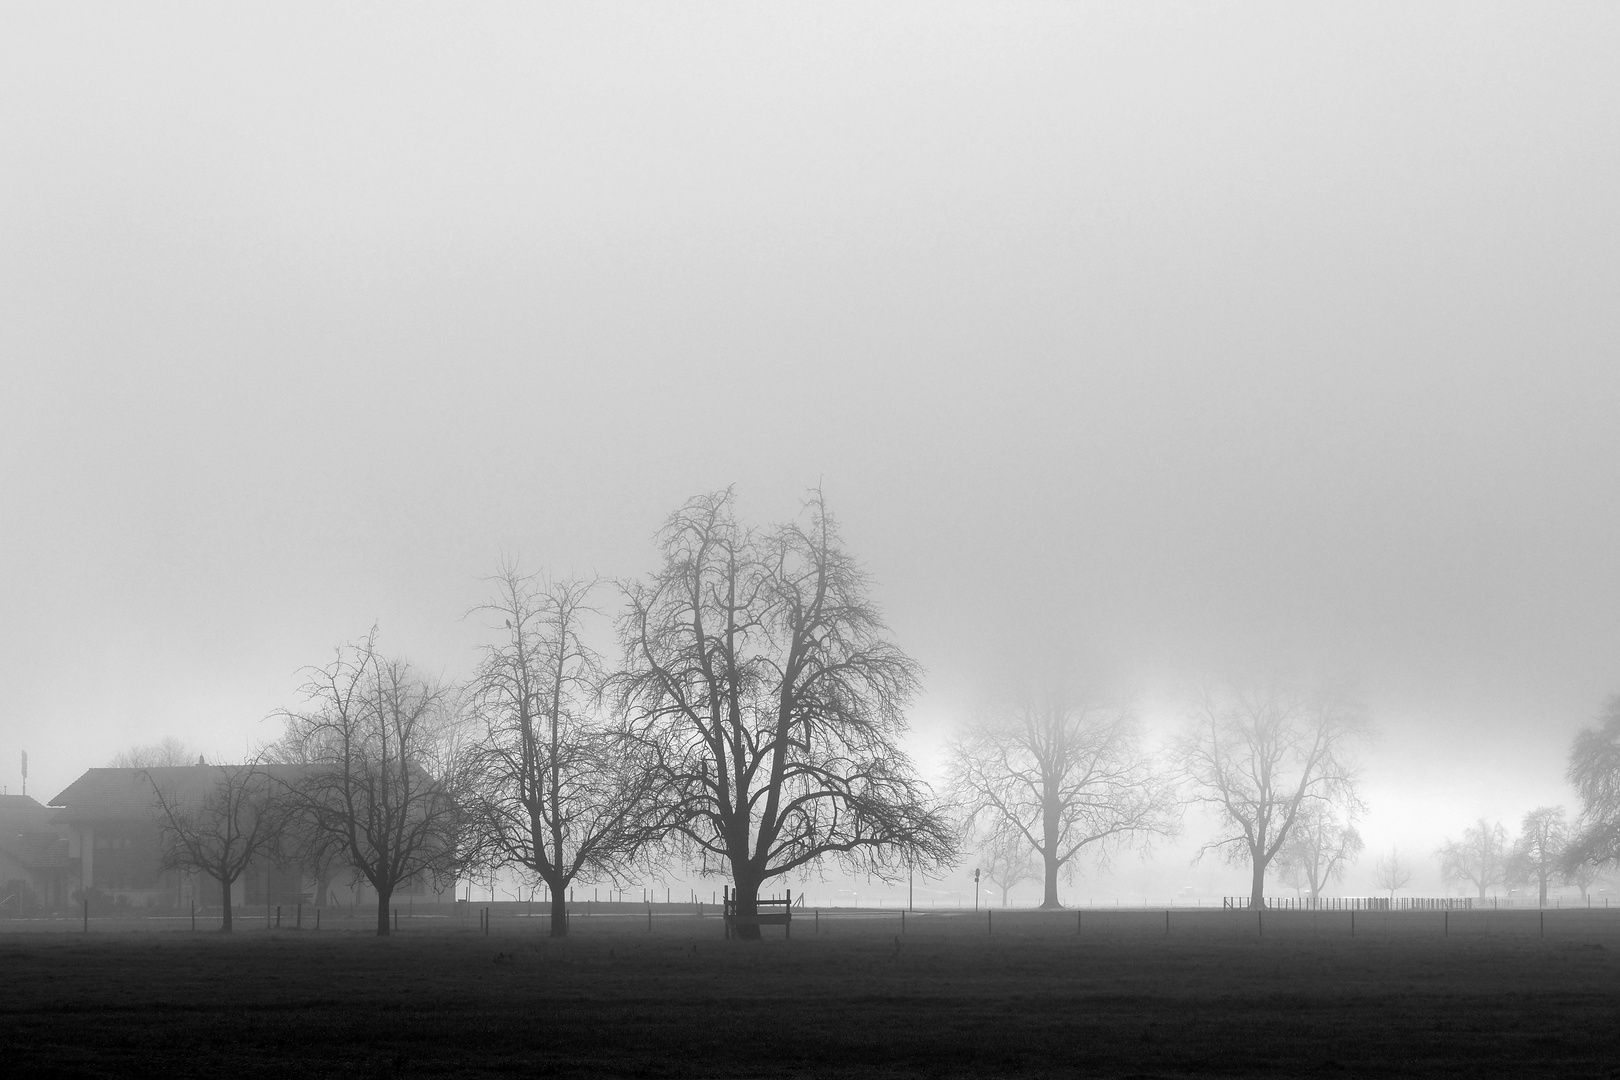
[750,725]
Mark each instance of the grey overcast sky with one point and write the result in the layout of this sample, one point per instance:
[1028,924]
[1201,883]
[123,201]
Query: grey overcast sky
[1176,339]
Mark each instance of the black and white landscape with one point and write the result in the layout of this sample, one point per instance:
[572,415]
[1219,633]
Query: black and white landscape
[726,540]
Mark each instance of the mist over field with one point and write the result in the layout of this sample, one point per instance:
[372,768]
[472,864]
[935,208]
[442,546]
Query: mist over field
[1166,346]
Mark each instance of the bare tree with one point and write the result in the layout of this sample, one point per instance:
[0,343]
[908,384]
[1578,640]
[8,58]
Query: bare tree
[1393,872]
[170,753]
[1258,756]
[1061,777]
[761,684]
[1594,770]
[1581,874]
[1479,858]
[303,840]
[217,819]
[1007,861]
[384,769]
[1318,846]
[559,793]
[1538,855]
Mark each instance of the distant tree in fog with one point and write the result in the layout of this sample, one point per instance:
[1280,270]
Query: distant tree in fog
[1594,770]
[558,794]
[1583,875]
[1393,872]
[384,770]
[1007,862]
[1479,858]
[216,819]
[1318,847]
[1538,854]
[762,685]
[160,755]
[1261,755]
[1058,776]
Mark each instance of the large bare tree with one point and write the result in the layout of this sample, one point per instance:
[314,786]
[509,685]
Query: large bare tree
[760,681]
[1594,770]
[1060,777]
[1258,755]
[1538,854]
[216,820]
[558,792]
[1479,858]
[384,769]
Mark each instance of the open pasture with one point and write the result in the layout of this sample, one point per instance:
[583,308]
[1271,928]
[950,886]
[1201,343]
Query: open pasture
[1013,993]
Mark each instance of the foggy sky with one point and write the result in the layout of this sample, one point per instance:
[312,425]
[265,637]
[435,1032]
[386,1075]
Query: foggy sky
[1172,340]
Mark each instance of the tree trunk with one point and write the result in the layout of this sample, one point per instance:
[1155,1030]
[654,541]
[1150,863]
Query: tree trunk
[225,923]
[745,896]
[383,896]
[1052,834]
[1257,888]
[559,911]
[1049,857]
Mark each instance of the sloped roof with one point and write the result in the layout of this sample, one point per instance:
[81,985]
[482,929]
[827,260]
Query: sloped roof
[19,802]
[105,793]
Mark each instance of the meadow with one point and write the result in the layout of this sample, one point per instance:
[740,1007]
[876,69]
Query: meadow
[1096,993]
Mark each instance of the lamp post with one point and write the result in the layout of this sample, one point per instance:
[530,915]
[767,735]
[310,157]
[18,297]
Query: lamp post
[975,888]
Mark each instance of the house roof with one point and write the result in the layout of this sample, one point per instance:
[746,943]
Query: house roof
[115,793]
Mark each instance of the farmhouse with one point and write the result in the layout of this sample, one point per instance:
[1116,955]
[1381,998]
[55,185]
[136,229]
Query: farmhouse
[113,843]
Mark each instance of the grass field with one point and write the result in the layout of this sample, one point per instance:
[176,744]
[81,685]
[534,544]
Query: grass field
[1219,995]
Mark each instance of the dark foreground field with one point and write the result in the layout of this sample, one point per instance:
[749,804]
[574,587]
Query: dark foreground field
[1494,998]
